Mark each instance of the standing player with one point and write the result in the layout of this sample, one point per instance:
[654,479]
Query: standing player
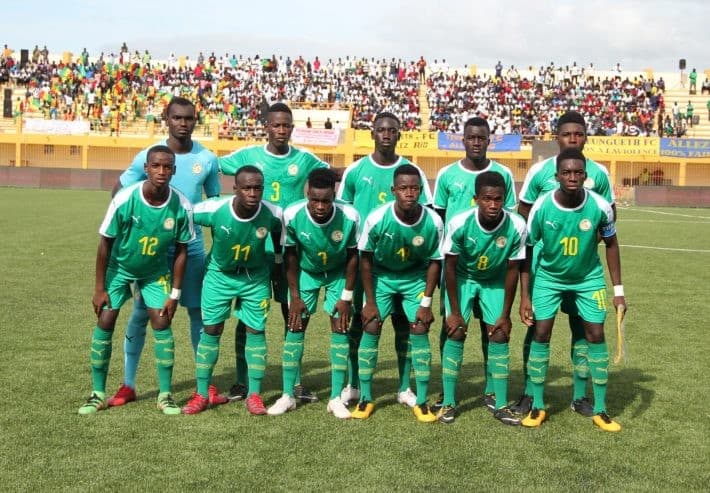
[454,190]
[285,170]
[141,224]
[240,225]
[320,237]
[566,223]
[400,260]
[196,170]
[483,248]
[367,184]
[541,178]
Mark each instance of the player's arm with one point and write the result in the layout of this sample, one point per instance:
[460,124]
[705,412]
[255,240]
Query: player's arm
[613,262]
[511,283]
[342,307]
[524,209]
[454,320]
[370,311]
[433,274]
[212,187]
[229,164]
[116,187]
[101,297]
[297,308]
[171,302]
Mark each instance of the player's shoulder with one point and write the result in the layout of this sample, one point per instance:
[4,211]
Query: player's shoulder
[293,209]
[540,202]
[212,204]
[434,217]
[516,220]
[347,210]
[501,168]
[244,151]
[273,209]
[202,152]
[461,218]
[601,202]
[182,198]
[125,194]
[379,213]
[446,170]
[541,166]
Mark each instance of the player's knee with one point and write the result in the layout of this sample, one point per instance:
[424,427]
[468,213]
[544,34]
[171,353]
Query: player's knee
[373,328]
[213,330]
[458,335]
[499,337]
[418,328]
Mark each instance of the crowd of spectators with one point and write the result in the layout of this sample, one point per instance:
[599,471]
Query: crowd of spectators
[233,91]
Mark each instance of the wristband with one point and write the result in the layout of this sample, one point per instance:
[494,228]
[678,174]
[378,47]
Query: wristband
[278,258]
[425,302]
[346,295]
[619,290]
[175,294]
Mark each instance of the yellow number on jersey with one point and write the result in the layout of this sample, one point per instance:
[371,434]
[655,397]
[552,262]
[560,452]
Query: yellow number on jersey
[482,263]
[570,246]
[600,298]
[324,257]
[149,243]
[403,253]
[276,196]
[239,249]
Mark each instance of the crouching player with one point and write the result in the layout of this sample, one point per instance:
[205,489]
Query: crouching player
[565,222]
[483,249]
[240,225]
[320,237]
[142,222]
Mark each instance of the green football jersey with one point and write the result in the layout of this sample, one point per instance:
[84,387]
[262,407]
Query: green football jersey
[367,185]
[237,243]
[321,247]
[143,233]
[540,179]
[455,187]
[285,176]
[567,238]
[402,248]
[483,254]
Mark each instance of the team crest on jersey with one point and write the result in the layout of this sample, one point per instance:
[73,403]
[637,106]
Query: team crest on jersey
[261,233]
[337,235]
[501,241]
[293,170]
[196,168]
[585,225]
[589,184]
[418,241]
[169,223]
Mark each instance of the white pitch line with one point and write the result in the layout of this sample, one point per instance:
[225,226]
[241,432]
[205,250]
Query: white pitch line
[650,211]
[667,249]
[660,221]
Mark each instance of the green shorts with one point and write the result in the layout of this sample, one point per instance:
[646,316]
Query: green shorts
[154,290]
[250,287]
[391,289]
[568,304]
[483,300]
[310,284]
[588,298]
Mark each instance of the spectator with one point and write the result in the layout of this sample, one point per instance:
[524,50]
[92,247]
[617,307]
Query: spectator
[693,78]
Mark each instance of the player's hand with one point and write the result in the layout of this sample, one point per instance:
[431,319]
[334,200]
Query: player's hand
[425,316]
[296,311]
[169,309]
[342,309]
[455,322]
[370,312]
[503,324]
[100,300]
[526,312]
[620,300]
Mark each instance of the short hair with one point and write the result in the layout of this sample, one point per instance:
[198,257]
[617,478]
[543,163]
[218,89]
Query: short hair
[571,117]
[248,168]
[180,101]
[321,178]
[489,179]
[477,121]
[570,154]
[160,148]
[385,114]
[280,108]
[406,169]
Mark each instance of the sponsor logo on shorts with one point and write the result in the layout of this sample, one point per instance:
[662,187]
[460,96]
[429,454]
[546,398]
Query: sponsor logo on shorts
[418,241]
[197,168]
[585,225]
[169,223]
[261,233]
[337,235]
[293,170]
[501,241]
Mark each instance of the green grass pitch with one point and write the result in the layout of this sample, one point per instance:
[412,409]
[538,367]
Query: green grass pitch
[47,254]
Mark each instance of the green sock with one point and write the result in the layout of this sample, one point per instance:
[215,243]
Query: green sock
[599,369]
[403,348]
[498,361]
[291,362]
[354,337]
[421,362]
[240,338]
[255,352]
[526,356]
[338,362]
[101,346]
[367,360]
[450,368]
[206,358]
[537,370]
[164,357]
[578,354]
[297,369]
[489,389]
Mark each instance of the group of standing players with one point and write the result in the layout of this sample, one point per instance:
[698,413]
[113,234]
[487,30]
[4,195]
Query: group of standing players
[379,246]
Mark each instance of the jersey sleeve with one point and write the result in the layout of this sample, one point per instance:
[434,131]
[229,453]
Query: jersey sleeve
[451,244]
[203,212]
[212,186]
[518,251]
[441,192]
[136,171]
[534,230]
[510,201]
[530,190]
[186,227]
[605,189]
[368,238]
[436,253]
[111,225]
[289,233]
[426,197]
[354,233]
[230,163]
[346,191]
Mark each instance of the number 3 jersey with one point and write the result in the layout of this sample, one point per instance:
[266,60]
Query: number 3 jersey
[568,237]
[143,233]
[237,243]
